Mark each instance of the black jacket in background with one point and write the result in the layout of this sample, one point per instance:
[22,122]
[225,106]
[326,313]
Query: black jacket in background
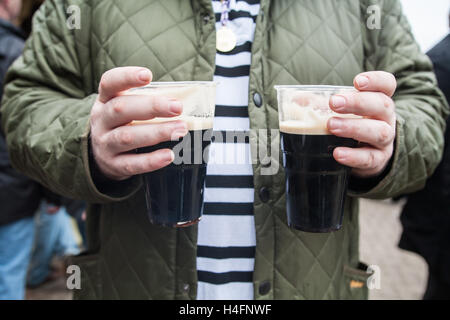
[426,216]
[19,196]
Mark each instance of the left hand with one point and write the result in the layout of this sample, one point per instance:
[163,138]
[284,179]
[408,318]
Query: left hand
[376,131]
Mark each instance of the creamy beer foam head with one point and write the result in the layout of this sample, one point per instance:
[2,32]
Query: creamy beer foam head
[193,123]
[198,100]
[306,112]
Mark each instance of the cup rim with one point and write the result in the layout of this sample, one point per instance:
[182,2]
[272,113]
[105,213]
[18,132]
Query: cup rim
[159,84]
[320,88]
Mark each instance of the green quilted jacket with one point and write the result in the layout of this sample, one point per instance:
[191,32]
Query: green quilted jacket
[52,87]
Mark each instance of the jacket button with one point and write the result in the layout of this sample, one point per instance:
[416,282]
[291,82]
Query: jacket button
[264,194]
[206,18]
[186,287]
[257,99]
[264,288]
[267,164]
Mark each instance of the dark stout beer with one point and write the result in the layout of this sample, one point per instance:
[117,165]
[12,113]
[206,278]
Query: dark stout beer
[316,184]
[175,193]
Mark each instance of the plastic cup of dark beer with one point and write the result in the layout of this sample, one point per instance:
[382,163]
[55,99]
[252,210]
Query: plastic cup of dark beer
[174,194]
[316,184]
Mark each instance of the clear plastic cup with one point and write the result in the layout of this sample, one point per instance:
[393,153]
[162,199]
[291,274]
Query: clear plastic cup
[316,184]
[174,194]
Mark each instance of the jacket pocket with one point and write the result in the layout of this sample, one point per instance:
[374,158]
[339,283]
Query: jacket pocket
[90,284]
[355,286]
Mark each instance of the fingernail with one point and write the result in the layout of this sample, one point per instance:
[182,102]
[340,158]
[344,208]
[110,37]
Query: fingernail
[334,123]
[362,81]
[180,130]
[176,107]
[144,75]
[338,101]
[341,154]
[168,156]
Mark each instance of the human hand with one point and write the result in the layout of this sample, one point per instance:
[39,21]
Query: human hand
[376,131]
[112,138]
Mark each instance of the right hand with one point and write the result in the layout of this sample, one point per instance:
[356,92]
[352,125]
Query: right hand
[113,140]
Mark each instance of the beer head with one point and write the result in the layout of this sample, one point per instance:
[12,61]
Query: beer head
[193,123]
[305,110]
[198,100]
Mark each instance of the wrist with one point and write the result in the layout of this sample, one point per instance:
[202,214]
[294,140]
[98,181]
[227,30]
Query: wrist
[364,184]
[101,181]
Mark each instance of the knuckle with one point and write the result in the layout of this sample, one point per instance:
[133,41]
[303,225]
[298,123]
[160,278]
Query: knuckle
[166,133]
[99,140]
[388,105]
[385,134]
[118,106]
[104,82]
[387,102]
[128,169]
[96,141]
[105,147]
[163,132]
[96,136]
[155,101]
[150,164]
[158,104]
[369,161]
[154,132]
[95,115]
[157,136]
[123,137]
[108,141]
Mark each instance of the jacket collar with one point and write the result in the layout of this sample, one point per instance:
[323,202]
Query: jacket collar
[10,28]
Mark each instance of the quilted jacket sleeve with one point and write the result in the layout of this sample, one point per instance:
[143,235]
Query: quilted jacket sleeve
[421,106]
[46,111]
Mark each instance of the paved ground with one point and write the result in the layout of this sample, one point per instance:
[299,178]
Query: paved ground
[403,274]
[55,290]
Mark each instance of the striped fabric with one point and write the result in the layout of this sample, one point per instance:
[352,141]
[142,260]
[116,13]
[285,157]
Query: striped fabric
[226,237]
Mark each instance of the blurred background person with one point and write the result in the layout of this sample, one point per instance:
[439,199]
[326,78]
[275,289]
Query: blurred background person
[19,196]
[426,215]
[29,7]
[54,240]
[31,228]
